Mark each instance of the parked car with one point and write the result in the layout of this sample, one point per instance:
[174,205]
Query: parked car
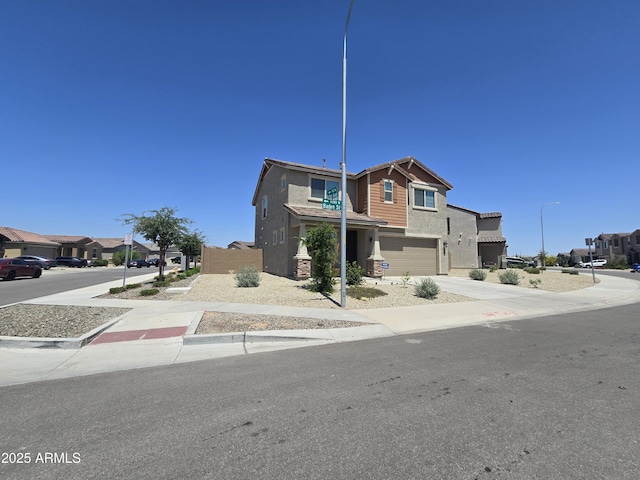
[519,262]
[44,262]
[11,268]
[600,262]
[176,260]
[155,262]
[635,267]
[138,263]
[72,261]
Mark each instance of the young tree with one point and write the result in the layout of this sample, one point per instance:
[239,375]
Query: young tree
[161,228]
[190,244]
[321,244]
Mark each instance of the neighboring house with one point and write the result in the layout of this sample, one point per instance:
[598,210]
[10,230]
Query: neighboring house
[240,245]
[154,251]
[104,248]
[397,219]
[475,239]
[71,245]
[578,255]
[612,245]
[15,242]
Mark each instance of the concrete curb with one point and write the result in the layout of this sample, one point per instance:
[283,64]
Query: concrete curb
[63,343]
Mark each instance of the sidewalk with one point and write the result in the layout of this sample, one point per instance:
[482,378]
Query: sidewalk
[162,332]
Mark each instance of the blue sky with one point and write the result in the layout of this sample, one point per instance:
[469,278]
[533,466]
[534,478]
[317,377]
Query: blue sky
[115,107]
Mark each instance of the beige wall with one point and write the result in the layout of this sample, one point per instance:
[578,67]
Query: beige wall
[220,260]
[462,239]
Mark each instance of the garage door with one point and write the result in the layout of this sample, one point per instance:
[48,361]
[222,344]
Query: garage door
[414,255]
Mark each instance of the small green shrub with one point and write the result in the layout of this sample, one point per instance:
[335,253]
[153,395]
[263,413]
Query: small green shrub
[149,291]
[354,273]
[619,263]
[509,277]
[493,268]
[360,292]
[130,286]
[115,290]
[566,270]
[535,282]
[427,288]
[477,274]
[405,279]
[574,272]
[182,276]
[532,270]
[248,277]
[101,263]
[162,283]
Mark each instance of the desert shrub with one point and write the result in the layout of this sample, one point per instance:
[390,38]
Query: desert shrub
[118,257]
[509,277]
[535,282]
[405,279]
[147,292]
[619,263]
[566,270]
[354,273]
[248,277]
[427,288]
[360,292]
[115,290]
[574,272]
[532,270]
[493,268]
[162,283]
[321,244]
[101,263]
[477,274]
[182,276]
[132,285]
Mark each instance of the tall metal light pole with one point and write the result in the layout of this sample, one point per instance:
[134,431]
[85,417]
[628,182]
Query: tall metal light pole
[544,253]
[343,168]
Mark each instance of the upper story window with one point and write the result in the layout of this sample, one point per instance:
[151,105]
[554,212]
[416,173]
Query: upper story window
[606,245]
[321,188]
[615,242]
[423,198]
[264,207]
[388,191]
[283,182]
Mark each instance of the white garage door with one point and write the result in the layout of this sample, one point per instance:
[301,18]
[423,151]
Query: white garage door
[414,255]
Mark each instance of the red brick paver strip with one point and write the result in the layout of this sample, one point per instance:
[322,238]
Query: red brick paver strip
[130,335]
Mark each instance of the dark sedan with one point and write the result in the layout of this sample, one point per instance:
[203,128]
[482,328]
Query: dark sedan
[43,262]
[138,264]
[12,268]
[72,261]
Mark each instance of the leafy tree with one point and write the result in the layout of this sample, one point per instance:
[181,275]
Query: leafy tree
[118,256]
[191,244]
[321,244]
[162,227]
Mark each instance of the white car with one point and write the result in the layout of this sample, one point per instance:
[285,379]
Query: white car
[596,263]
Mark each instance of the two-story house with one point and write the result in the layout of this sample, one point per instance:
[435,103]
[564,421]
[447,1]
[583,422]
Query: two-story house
[397,219]
[612,245]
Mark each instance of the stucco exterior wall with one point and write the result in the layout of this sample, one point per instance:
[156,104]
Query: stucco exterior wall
[462,239]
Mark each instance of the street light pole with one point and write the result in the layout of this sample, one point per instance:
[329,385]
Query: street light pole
[343,169]
[544,253]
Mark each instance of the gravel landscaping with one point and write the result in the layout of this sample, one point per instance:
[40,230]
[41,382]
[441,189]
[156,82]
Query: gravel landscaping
[56,321]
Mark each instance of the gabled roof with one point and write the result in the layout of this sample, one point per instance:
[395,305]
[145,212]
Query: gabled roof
[16,235]
[240,245]
[580,251]
[68,238]
[404,165]
[319,214]
[115,242]
[270,162]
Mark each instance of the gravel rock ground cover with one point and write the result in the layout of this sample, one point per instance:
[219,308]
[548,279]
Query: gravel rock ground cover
[56,321]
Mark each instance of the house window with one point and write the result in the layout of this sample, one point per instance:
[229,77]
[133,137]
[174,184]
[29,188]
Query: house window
[448,226]
[264,207]
[424,198]
[274,237]
[615,242]
[283,182]
[282,237]
[94,252]
[606,245]
[388,191]
[320,187]
[597,245]
[637,239]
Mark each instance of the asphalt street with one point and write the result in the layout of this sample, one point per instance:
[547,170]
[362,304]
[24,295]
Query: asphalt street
[555,397]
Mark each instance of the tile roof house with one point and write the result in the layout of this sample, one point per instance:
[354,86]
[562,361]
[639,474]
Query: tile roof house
[398,219]
[15,242]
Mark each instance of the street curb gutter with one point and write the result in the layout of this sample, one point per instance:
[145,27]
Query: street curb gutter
[62,343]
